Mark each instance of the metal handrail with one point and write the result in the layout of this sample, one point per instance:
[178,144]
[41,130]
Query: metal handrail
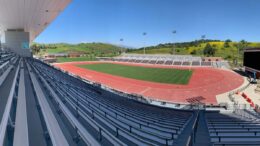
[192,137]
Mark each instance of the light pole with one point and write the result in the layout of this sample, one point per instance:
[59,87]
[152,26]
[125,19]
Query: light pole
[144,34]
[173,49]
[203,37]
[239,46]
[121,42]
[202,40]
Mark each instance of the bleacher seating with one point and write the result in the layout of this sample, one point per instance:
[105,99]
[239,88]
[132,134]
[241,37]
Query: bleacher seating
[128,121]
[152,62]
[180,60]
[177,63]
[103,117]
[186,63]
[6,58]
[138,61]
[231,129]
[168,62]
[145,61]
[206,63]
[159,59]
[160,62]
[110,118]
[195,63]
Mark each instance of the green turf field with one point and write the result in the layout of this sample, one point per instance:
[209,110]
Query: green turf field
[161,75]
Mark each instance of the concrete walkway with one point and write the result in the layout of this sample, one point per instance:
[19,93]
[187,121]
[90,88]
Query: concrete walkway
[223,98]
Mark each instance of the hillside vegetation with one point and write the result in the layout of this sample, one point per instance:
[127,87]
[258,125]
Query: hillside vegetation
[89,49]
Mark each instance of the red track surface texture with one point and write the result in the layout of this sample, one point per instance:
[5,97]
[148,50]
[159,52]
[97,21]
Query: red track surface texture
[205,82]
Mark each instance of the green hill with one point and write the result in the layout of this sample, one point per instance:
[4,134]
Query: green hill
[89,49]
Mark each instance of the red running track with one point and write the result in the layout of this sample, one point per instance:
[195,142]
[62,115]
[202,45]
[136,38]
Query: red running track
[206,82]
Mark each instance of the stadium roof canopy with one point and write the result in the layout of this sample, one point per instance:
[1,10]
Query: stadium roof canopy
[31,16]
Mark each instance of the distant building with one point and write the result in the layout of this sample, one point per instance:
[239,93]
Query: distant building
[75,54]
[55,55]
[49,60]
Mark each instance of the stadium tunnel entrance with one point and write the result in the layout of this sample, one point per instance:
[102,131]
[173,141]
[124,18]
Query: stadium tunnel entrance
[17,41]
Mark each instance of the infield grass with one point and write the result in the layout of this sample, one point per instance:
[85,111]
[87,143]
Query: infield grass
[160,75]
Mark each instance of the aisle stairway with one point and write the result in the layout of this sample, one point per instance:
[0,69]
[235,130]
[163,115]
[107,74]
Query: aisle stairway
[202,135]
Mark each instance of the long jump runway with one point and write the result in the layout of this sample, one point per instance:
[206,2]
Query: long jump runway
[204,85]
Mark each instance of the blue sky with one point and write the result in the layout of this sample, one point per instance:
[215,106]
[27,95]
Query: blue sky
[109,20]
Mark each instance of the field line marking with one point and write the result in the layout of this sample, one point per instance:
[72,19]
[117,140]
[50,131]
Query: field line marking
[142,92]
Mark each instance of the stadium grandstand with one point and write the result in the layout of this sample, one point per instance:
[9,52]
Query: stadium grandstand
[43,105]
[161,59]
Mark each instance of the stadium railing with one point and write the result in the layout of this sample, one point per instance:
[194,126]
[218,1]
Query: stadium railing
[192,137]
